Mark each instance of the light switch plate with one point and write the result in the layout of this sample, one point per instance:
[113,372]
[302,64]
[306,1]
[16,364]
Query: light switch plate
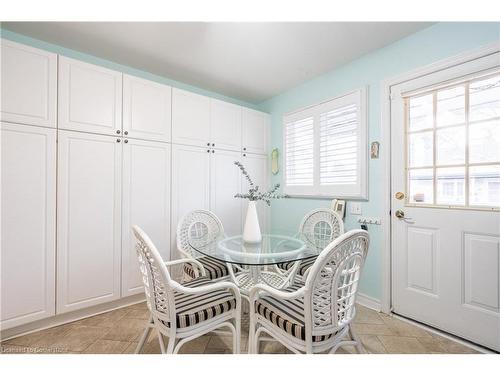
[355,208]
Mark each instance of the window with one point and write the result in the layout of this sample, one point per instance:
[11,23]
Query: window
[453,144]
[325,148]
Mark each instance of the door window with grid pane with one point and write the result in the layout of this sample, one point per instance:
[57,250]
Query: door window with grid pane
[453,145]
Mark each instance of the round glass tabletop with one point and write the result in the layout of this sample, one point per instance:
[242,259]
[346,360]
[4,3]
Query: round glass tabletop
[274,248]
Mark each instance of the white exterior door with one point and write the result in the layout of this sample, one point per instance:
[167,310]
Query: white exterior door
[90,98]
[28,85]
[147,109]
[446,195]
[28,220]
[225,182]
[225,125]
[190,184]
[146,203]
[255,129]
[190,118]
[256,166]
[89,220]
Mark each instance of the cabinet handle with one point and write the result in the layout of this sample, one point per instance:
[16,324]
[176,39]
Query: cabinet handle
[126,141]
[118,140]
[117,132]
[125,132]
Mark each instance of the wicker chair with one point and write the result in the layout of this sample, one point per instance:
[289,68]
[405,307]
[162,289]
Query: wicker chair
[314,316]
[320,227]
[200,225]
[183,312]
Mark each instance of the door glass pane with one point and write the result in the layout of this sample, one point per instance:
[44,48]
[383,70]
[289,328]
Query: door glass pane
[484,99]
[420,112]
[484,142]
[420,182]
[450,147]
[484,185]
[450,186]
[450,106]
[420,149]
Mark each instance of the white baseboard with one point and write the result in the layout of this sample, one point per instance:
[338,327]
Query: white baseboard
[370,302]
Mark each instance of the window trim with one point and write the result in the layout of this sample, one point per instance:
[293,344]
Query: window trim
[360,191]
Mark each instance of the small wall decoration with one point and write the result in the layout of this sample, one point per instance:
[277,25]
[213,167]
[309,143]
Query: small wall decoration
[374,150]
[274,161]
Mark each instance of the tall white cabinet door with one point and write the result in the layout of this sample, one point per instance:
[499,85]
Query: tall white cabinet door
[89,220]
[146,203]
[147,109]
[29,85]
[256,166]
[225,125]
[90,97]
[190,184]
[255,129]
[225,183]
[190,118]
[28,164]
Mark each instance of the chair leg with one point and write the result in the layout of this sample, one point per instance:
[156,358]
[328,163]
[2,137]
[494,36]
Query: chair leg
[359,346]
[251,333]
[237,335]
[144,336]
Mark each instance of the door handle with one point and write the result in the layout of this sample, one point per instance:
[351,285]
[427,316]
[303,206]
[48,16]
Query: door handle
[400,214]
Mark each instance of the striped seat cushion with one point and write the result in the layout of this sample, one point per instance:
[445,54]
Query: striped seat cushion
[304,266]
[215,268]
[193,309]
[286,314]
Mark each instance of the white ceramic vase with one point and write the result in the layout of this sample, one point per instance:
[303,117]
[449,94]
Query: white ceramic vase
[251,231]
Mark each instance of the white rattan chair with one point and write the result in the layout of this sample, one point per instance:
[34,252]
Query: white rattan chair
[183,312]
[314,316]
[200,225]
[320,227]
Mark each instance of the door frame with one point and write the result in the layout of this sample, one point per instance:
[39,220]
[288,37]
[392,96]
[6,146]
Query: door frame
[385,152]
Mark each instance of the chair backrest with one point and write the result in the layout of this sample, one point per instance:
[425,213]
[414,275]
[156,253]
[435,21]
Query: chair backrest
[156,278]
[332,283]
[321,226]
[199,225]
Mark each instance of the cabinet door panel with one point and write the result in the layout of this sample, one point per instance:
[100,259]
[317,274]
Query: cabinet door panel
[146,203]
[256,166]
[225,125]
[190,184]
[255,128]
[90,97]
[225,183]
[147,109]
[28,81]
[89,220]
[28,224]
[190,118]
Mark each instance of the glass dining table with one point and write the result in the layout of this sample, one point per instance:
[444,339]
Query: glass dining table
[253,263]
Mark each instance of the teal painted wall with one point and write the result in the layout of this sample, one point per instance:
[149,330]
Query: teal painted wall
[15,37]
[429,45]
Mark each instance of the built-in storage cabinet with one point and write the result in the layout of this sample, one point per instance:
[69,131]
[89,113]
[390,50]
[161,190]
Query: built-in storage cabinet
[190,118]
[147,109]
[28,217]
[89,220]
[29,85]
[146,202]
[255,129]
[225,125]
[256,166]
[90,98]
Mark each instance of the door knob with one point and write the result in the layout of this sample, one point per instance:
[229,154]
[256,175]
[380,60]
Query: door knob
[400,195]
[400,214]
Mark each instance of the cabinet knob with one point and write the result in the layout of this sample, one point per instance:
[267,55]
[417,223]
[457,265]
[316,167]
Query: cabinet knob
[213,151]
[208,150]
[208,144]
[213,144]
[244,154]
[118,140]
[125,132]
[244,148]
[117,132]
[126,141]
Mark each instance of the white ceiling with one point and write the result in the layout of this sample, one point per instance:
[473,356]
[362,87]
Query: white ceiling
[248,61]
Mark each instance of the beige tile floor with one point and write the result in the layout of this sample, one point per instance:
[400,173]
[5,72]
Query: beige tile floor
[118,332]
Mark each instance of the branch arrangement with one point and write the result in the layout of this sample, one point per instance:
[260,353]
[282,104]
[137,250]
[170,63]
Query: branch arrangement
[254,194]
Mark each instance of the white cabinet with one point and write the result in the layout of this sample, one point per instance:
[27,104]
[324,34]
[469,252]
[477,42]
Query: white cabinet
[225,182]
[147,109]
[190,118]
[89,220]
[190,183]
[28,165]
[256,166]
[146,203]
[225,125]
[255,130]
[90,98]
[29,85]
